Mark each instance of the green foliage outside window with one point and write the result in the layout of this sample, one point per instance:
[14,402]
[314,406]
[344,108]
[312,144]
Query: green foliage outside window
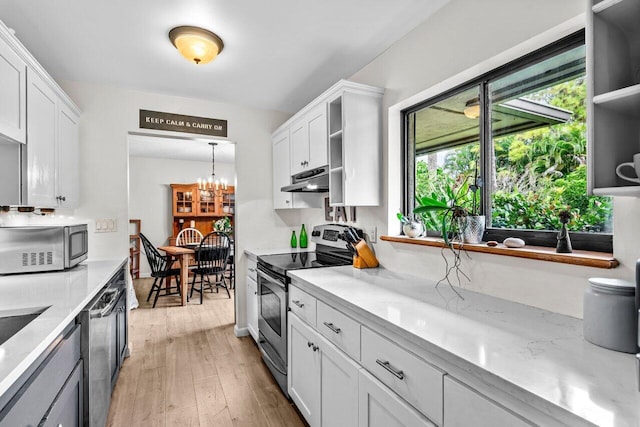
[537,173]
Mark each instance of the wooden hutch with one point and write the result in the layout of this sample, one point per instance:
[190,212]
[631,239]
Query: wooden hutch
[202,207]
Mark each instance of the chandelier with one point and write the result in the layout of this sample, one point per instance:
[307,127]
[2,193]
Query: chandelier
[212,183]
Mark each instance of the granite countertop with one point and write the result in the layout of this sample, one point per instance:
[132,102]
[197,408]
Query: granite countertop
[537,356]
[65,293]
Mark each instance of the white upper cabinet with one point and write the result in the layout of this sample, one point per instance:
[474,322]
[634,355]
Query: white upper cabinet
[281,170]
[13,83]
[41,142]
[342,128]
[355,147]
[613,106]
[68,190]
[309,140]
[35,111]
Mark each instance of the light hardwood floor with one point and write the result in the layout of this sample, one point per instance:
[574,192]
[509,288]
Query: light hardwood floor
[187,368]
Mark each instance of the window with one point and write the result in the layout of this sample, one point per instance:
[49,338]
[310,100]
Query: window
[519,133]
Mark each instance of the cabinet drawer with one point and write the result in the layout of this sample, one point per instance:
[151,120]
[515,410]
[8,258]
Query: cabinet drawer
[341,330]
[252,269]
[466,407]
[34,398]
[302,304]
[418,382]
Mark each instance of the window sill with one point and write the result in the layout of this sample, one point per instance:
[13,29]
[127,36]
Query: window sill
[541,253]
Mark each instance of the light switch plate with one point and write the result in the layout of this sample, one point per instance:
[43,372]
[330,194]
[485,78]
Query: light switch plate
[372,232]
[106,225]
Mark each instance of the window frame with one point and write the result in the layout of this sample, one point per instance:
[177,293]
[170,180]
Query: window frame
[600,242]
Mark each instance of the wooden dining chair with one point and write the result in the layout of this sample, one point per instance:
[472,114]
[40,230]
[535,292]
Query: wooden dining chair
[189,236]
[160,270]
[211,258]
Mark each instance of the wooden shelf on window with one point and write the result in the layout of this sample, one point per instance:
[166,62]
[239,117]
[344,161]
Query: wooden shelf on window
[585,258]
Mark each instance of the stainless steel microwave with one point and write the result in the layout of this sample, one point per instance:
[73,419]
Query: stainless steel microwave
[42,248]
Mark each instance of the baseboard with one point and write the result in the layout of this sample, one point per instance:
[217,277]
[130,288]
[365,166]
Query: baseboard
[240,332]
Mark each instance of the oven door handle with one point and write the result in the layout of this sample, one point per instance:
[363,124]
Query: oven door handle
[270,279]
[266,355]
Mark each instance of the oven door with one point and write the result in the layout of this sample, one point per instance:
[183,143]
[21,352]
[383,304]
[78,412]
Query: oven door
[272,316]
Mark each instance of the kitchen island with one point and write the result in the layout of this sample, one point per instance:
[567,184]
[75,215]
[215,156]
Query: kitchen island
[530,363]
[61,295]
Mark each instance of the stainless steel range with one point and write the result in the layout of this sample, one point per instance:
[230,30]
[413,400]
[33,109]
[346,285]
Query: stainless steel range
[273,286]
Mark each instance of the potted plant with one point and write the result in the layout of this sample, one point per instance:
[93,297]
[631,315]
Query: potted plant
[455,213]
[411,227]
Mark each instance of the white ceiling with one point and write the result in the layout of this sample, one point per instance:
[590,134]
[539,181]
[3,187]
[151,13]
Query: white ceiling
[279,54]
[197,150]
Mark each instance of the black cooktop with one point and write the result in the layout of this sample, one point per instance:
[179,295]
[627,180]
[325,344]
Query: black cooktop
[281,263]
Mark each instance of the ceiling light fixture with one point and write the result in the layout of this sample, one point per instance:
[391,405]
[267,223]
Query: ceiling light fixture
[472,108]
[196,44]
[212,184]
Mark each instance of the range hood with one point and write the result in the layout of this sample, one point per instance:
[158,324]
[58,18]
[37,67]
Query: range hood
[312,181]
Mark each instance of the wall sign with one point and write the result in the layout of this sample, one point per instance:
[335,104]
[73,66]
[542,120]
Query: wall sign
[181,123]
[339,213]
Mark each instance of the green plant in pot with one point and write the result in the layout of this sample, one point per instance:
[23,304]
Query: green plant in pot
[223,225]
[454,211]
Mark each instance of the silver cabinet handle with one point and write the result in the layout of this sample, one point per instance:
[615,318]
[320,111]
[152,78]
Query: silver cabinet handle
[638,369]
[332,327]
[297,302]
[253,270]
[255,292]
[315,348]
[309,343]
[386,365]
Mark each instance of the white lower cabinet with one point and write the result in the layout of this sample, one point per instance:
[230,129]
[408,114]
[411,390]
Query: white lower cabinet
[323,381]
[464,407]
[252,298]
[380,407]
[304,370]
[252,307]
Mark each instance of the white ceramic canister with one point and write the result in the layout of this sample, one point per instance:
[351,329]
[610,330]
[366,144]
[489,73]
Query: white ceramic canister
[610,319]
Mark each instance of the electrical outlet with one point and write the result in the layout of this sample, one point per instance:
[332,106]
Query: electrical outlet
[372,232]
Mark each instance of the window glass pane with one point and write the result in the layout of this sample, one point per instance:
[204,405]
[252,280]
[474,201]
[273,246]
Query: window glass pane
[538,155]
[445,136]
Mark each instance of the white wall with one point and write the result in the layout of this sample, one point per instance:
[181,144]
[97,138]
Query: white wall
[150,193]
[109,113]
[455,40]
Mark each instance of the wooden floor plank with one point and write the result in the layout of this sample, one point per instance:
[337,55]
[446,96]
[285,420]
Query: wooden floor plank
[187,368]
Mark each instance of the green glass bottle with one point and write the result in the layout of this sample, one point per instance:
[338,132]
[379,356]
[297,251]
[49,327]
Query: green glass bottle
[303,237]
[294,241]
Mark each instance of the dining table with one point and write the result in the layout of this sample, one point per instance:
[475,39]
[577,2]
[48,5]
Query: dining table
[184,256]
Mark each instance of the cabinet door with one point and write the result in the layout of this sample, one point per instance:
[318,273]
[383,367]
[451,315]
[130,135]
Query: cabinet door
[281,171]
[122,328]
[41,143]
[13,93]
[68,147]
[380,407]
[67,409]
[304,369]
[317,129]
[464,407]
[252,307]
[299,146]
[338,386]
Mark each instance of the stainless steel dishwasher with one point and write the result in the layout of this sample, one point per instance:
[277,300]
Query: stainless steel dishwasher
[98,321]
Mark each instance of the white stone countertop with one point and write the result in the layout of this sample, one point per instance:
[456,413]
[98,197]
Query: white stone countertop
[539,357]
[65,293]
[253,253]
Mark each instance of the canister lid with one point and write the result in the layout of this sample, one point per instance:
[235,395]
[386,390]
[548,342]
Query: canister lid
[612,286]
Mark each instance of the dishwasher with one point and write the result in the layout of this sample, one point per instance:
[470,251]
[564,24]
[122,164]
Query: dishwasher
[99,350]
